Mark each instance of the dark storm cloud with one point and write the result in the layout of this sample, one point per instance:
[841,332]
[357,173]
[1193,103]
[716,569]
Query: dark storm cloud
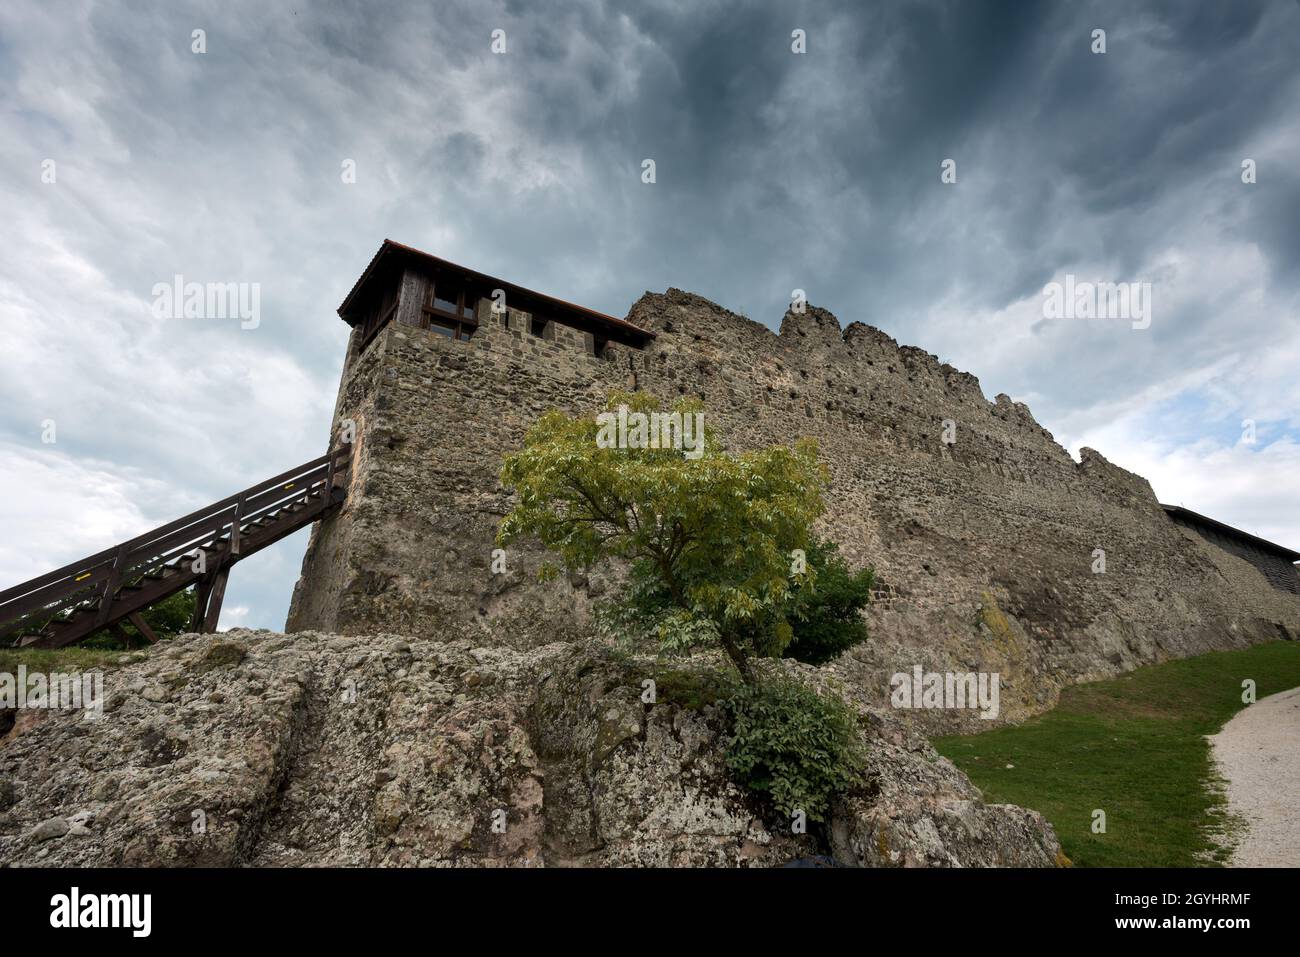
[1065,134]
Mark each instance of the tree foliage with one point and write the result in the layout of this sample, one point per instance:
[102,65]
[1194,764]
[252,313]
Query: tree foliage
[797,747]
[712,535]
[826,619]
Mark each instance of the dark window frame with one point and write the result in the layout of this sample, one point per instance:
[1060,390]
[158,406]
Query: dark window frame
[462,322]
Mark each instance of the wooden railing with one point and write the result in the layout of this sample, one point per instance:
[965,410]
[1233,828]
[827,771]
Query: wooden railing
[85,596]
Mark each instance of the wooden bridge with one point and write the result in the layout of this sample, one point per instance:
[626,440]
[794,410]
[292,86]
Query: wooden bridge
[99,592]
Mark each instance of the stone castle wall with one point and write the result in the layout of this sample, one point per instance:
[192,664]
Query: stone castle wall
[984,548]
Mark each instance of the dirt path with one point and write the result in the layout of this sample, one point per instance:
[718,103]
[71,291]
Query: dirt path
[1258,752]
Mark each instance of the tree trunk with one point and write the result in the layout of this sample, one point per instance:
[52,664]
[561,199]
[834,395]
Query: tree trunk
[739,659]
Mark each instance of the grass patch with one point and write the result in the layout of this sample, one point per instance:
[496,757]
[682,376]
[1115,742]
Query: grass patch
[63,660]
[1133,746]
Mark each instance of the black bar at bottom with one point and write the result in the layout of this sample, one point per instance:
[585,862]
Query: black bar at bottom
[334,907]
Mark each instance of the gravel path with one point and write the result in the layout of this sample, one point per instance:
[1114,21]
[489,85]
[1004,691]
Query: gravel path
[1258,752]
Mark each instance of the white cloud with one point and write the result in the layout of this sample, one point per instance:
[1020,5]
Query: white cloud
[1248,486]
[233,616]
[62,509]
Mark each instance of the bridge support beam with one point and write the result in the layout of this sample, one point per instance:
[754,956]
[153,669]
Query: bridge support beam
[142,626]
[214,602]
[209,594]
[121,635]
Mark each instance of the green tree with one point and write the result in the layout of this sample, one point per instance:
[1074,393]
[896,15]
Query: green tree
[826,619]
[167,618]
[797,747]
[712,532]
[815,624]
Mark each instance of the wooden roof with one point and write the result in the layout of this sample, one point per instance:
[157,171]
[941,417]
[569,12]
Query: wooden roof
[392,254]
[1188,515]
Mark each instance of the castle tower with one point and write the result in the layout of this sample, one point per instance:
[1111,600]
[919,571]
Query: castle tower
[446,368]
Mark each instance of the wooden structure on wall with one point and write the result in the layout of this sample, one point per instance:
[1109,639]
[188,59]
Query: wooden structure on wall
[407,285]
[1275,562]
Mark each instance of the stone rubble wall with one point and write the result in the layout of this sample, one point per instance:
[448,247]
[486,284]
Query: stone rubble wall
[984,548]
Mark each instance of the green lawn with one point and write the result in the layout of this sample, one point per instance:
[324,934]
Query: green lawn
[1134,747]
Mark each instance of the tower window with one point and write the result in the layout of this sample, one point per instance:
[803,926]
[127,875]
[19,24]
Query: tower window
[448,309]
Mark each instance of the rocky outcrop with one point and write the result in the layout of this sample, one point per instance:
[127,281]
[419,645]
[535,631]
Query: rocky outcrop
[255,748]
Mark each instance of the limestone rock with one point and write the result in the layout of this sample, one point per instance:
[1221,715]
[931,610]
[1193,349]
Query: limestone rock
[46,830]
[375,751]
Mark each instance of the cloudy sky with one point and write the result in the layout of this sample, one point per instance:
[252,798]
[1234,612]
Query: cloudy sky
[774,171]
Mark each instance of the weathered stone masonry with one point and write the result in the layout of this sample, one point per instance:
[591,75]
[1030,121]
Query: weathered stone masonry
[984,548]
